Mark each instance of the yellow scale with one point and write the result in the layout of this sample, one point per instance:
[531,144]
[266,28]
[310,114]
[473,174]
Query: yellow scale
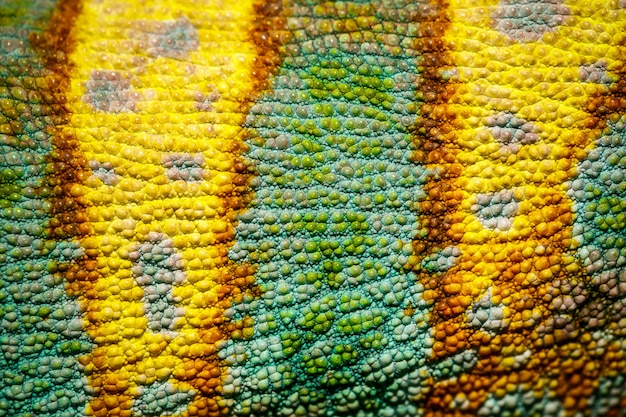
[152,79]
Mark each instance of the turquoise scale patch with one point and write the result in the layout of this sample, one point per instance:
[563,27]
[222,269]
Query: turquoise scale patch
[41,328]
[161,399]
[340,327]
[599,194]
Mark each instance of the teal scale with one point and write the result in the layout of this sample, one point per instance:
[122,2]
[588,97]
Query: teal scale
[41,327]
[340,327]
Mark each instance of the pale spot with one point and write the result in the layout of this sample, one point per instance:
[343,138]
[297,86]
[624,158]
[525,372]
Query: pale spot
[186,167]
[279,142]
[442,261]
[596,73]
[528,20]
[170,39]
[105,172]
[161,398]
[111,92]
[522,359]
[157,269]
[567,296]
[454,365]
[507,129]
[523,402]
[487,316]
[449,74]
[496,211]
[460,402]
[203,102]
[556,329]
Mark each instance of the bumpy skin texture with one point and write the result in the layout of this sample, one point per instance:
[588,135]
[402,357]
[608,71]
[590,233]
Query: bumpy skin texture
[308,208]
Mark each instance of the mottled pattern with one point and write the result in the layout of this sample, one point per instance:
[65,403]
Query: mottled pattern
[185,167]
[312,208]
[331,223]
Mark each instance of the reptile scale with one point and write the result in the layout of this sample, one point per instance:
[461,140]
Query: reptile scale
[312,208]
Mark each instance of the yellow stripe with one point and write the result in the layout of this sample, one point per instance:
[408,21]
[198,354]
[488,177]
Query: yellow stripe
[138,97]
[493,73]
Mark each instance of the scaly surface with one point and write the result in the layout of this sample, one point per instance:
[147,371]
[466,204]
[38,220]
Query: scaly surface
[521,107]
[42,332]
[312,208]
[157,102]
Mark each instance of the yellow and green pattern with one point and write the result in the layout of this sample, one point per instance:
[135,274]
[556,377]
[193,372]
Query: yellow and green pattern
[312,208]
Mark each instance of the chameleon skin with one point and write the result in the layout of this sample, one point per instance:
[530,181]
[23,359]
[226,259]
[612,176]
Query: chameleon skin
[42,333]
[503,196]
[148,185]
[306,208]
[157,110]
[510,163]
